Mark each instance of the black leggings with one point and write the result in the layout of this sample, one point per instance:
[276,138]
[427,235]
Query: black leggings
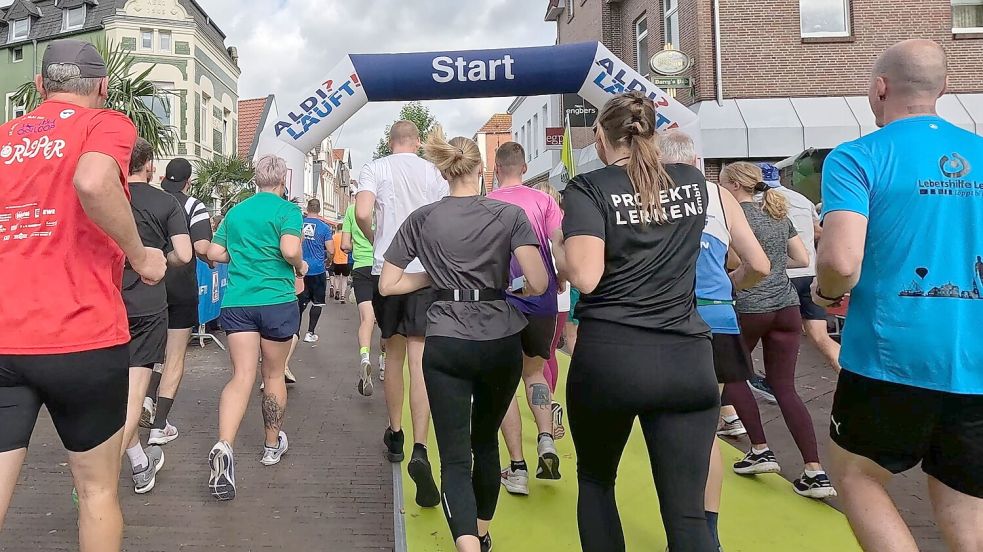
[456,370]
[619,373]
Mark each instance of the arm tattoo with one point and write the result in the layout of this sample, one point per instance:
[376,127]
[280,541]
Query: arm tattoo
[540,395]
[272,412]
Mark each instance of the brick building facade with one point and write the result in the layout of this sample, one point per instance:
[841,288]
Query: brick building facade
[794,73]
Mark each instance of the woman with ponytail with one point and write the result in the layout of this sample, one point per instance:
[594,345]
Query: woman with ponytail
[769,313]
[632,237]
[472,361]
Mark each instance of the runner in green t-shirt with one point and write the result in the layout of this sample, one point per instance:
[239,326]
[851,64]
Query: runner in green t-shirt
[354,241]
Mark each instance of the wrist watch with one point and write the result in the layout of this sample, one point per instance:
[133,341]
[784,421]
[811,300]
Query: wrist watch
[819,293]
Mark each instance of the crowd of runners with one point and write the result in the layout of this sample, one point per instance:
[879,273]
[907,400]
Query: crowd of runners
[659,282]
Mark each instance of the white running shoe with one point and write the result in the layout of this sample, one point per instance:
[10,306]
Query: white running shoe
[272,457]
[145,481]
[731,429]
[147,415]
[289,376]
[382,367]
[222,481]
[311,338]
[516,482]
[549,460]
[365,386]
[163,436]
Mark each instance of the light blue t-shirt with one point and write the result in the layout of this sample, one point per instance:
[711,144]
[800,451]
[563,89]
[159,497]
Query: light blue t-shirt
[316,233]
[916,315]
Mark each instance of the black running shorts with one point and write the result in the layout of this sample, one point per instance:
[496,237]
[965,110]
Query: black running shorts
[342,269]
[897,426]
[363,283]
[731,361]
[182,317]
[271,322]
[404,315]
[85,394]
[315,290]
[148,339]
[537,336]
[809,310]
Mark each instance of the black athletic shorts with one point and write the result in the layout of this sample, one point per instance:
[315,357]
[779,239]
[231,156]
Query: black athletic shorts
[315,290]
[537,336]
[809,310]
[85,394]
[404,315]
[897,426]
[272,322]
[363,283]
[148,339]
[731,361]
[342,269]
[182,317]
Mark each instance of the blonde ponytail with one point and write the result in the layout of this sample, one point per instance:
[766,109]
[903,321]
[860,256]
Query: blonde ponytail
[774,204]
[455,158]
[749,177]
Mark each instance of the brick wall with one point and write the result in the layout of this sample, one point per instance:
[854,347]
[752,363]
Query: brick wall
[586,24]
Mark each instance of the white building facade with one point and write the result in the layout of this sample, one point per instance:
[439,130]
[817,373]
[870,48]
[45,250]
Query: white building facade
[531,116]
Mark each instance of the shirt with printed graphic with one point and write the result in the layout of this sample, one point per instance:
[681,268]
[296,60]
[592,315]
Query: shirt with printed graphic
[61,274]
[316,234]
[914,316]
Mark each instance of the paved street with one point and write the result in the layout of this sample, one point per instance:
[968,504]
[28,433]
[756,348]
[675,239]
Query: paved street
[332,488]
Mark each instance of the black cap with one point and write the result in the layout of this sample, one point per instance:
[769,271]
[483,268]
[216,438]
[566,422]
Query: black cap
[176,175]
[74,52]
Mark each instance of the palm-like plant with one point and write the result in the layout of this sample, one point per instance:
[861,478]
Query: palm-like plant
[128,93]
[224,180]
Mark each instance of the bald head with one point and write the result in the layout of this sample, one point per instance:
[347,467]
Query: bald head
[913,69]
[404,136]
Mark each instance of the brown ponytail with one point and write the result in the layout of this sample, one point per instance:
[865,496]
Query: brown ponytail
[748,176]
[455,158]
[629,119]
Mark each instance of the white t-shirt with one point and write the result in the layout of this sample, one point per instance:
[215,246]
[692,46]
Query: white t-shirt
[804,216]
[402,183]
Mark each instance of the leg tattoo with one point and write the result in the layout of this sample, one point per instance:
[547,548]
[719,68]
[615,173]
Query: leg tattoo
[272,412]
[540,395]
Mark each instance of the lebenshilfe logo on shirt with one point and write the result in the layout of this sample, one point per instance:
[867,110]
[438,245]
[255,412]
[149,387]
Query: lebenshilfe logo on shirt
[955,166]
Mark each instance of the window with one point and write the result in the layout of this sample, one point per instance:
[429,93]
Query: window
[824,18]
[535,138]
[570,4]
[642,45]
[147,39]
[13,110]
[515,137]
[225,128]
[165,41]
[530,133]
[74,18]
[203,118]
[16,55]
[19,111]
[967,15]
[161,106]
[671,11]
[20,29]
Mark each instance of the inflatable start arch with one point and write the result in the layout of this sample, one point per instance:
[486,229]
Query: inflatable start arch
[589,69]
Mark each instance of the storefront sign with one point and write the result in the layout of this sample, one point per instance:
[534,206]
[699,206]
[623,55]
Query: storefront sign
[579,111]
[670,62]
[554,138]
[672,82]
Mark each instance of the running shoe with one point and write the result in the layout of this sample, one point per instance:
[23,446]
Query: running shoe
[760,386]
[289,376]
[163,436]
[144,481]
[365,385]
[818,487]
[222,481]
[559,432]
[549,461]
[427,494]
[515,481]
[311,337]
[394,445]
[731,429]
[272,456]
[382,367]
[147,415]
[754,464]
[486,542]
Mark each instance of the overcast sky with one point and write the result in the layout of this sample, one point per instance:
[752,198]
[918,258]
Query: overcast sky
[287,45]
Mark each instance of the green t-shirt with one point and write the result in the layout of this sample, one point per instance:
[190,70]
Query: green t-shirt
[258,273]
[361,247]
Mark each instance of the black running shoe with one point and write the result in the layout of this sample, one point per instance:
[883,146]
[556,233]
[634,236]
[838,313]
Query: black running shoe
[754,464]
[761,387]
[394,445]
[427,495]
[814,487]
[486,542]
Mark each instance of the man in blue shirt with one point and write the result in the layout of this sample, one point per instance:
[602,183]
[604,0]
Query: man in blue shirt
[903,229]
[318,246]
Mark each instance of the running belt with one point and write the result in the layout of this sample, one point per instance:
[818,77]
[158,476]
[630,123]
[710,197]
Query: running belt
[470,295]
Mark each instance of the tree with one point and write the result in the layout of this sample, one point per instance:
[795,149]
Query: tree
[412,111]
[226,181]
[129,93]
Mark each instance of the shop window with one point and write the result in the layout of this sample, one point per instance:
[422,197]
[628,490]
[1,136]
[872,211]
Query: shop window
[824,18]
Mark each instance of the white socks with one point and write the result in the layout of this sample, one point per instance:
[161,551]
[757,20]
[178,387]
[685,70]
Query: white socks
[138,458]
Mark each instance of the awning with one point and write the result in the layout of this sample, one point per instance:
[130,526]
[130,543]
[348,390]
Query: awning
[780,127]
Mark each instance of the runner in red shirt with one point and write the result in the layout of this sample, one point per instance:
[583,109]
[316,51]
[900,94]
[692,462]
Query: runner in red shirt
[65,220]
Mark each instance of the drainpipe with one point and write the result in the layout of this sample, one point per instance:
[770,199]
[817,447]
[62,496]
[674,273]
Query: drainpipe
[35,42]
[716,47]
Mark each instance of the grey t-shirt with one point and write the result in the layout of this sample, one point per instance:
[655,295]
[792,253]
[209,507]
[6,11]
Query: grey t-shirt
[775,292]
[466,243]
